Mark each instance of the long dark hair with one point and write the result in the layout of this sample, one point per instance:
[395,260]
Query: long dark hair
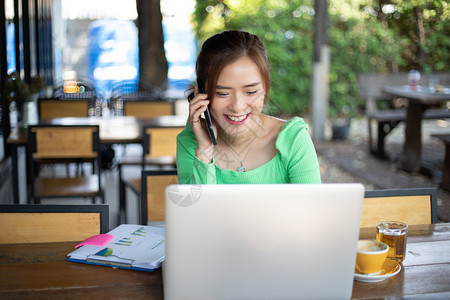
[224,48]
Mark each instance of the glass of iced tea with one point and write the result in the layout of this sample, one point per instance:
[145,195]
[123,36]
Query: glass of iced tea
[394,234]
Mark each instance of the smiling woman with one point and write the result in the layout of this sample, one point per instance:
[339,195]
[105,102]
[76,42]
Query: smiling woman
[251,147]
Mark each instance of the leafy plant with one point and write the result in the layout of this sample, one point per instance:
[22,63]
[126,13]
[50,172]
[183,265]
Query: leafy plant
[18,90]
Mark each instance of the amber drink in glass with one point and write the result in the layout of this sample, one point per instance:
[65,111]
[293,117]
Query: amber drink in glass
[394,234]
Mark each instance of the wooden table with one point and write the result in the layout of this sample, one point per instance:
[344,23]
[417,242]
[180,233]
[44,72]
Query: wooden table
[418,102]
[113,130]
[426,269]
[40,271]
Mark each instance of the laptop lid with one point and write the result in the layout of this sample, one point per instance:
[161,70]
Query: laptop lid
[277,241]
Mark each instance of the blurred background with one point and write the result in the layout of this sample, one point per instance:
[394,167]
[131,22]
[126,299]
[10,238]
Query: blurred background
[109,47]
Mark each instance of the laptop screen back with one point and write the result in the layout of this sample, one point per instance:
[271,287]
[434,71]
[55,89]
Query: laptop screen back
[285,241]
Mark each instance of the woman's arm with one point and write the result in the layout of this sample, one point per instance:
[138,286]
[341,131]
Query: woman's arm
[298,152]
[304,165]
[191,170]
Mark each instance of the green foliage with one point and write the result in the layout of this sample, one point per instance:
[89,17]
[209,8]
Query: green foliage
[425,26]
[17,90]
[357,46]
[363,38]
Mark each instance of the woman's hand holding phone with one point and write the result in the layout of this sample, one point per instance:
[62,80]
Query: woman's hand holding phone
[208,119]
[205,145]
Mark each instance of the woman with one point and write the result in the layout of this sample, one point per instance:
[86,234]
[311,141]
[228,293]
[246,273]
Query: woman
[251,147]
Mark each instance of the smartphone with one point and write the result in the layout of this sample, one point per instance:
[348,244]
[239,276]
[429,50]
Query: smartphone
[201,89]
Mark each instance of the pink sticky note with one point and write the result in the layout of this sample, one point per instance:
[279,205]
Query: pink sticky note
[96,240]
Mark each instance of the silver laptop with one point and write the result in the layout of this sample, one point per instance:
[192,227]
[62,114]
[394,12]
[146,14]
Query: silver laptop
[277,241]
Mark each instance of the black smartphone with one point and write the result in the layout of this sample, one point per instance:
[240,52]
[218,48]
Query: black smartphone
[201,89]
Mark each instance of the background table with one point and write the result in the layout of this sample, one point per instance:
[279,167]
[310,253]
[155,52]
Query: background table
[418,102]
[40,271]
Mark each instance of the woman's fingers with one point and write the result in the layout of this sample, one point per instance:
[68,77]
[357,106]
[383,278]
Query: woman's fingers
[196,107]
[204,144]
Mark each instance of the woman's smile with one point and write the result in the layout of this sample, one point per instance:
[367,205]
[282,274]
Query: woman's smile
[236,120]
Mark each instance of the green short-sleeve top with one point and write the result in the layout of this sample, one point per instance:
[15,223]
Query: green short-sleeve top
[295,161]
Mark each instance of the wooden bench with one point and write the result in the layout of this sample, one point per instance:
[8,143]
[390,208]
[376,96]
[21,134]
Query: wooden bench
[445,181]
[394,112]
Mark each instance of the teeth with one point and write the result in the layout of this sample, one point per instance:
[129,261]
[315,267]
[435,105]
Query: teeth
[237,118]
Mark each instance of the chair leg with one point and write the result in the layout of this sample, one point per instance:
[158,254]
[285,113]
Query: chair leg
[122,200]
[79,169]
[384,128]
[380,142]
[143,212]
[445,181]
[30,195]
[369,124]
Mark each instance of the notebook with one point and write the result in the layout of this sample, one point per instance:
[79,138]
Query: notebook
[277,241]
[128,246]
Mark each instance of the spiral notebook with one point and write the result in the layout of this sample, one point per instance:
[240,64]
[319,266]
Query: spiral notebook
[135,247]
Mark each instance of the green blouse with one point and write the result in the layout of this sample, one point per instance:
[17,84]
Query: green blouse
[295,161]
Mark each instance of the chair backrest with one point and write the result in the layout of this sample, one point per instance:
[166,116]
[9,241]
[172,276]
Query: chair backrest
[64,144]
[159,142]
[148,108]
[412,206]
[51,108]
[64,141]
[22,223]
[154,183]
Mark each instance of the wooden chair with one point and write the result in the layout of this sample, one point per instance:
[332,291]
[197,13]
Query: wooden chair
[79,89]
[412,206]
[144,108]
[153,187]
[64,143]
[22,223]
[55,108]
[148,108]
[52,108]
[140,100]
[159,150]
